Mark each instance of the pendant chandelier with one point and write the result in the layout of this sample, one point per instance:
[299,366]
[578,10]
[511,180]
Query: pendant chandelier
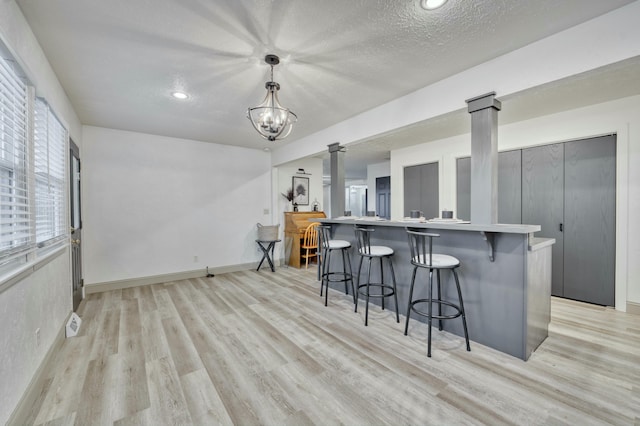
[271,119]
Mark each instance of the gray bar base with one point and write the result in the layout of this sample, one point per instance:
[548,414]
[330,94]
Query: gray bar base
[507,300]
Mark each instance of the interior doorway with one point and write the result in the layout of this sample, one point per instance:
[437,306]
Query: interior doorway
[76,224]
[356,200]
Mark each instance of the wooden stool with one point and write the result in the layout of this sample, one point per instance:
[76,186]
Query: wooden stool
[270,247]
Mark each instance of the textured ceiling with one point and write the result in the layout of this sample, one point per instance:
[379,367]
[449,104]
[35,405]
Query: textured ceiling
[119,60]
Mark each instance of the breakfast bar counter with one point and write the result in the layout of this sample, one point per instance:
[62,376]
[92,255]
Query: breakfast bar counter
[505,276]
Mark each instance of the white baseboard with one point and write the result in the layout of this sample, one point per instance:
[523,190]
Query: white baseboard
[633,308]
[159,279]
[31,394]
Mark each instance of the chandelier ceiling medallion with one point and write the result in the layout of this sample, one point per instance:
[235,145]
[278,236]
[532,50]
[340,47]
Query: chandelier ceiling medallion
[271,119]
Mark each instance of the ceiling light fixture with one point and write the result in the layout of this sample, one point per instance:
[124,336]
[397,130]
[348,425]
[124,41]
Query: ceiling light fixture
[179,95]
[432,4]
[271,119]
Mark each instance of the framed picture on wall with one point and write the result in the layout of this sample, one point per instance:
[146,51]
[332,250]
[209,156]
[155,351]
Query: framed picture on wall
[300,187]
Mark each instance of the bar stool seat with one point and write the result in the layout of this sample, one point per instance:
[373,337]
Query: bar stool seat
[440,261]
[422,256]
[379,251]
[339,244]
[369,252]
[327,246]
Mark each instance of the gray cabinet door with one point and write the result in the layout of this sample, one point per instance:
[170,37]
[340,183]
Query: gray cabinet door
[509,187]
[430,197]
[568,189]
[463,188]
[411,189]
[383,197]
[543,201]
[589,220]
[421,189]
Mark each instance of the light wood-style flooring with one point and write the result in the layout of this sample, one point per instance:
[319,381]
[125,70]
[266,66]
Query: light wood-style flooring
[260,348]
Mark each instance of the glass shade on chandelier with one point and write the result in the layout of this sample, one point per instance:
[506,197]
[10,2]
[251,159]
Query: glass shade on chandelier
[270,119]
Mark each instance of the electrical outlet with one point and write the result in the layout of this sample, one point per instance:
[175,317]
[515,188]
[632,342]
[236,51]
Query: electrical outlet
[195,259]
[265,211]
[37,337]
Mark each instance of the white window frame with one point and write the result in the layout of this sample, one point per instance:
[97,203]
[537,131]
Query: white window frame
[16,230]
[50,142]
[26,187]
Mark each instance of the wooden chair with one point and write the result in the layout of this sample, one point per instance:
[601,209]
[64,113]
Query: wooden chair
[310,243]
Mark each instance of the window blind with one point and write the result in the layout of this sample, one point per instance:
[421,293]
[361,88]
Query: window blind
[50,144]
[16,234]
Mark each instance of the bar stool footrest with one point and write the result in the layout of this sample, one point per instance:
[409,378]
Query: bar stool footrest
[434,315]
[382,287]
[331,277]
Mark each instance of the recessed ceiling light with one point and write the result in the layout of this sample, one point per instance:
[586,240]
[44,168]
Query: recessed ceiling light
[432,4]
[179,95]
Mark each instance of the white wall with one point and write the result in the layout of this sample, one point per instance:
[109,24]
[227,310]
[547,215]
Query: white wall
[285,174]
[349,182]
[152,203]
[326,193]
[375,171]
[43,299]
[282,181]
[621,117]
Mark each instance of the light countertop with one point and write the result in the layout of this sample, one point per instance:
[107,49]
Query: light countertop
[498,227]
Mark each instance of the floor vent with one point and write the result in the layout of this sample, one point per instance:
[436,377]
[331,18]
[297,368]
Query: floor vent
[73,325]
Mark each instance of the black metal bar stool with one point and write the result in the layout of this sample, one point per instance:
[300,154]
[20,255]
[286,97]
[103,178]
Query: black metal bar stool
[328,246]
[422,256]
[366,250]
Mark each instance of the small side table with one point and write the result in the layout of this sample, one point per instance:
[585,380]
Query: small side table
[267,246]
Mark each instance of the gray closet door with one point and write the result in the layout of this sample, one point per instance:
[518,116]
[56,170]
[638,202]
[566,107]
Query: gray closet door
[509,187]
[411,189]
[589,226]
[383,197]
[421,191]
[543,201]
[463,188]
[430,197]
